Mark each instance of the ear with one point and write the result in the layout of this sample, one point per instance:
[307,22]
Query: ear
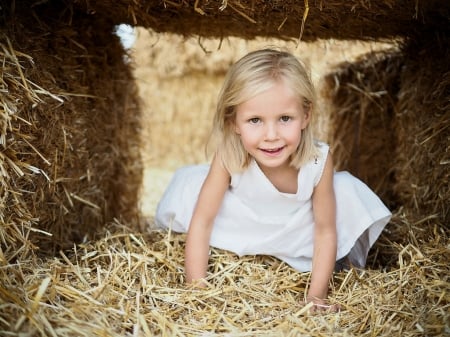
[236,129]
[307,112]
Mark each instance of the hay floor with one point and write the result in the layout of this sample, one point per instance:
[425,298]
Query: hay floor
[131,284]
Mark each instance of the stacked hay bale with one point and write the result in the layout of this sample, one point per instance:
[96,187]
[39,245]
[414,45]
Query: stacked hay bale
[390,124]
[310,20]
[69,150]
[422,127]
[361,99]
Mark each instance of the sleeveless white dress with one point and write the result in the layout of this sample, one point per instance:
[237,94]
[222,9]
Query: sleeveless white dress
[255,218]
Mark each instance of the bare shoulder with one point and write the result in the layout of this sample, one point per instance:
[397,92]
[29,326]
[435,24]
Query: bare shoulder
[212,193]
[329,164]
[324,202]
[218,176]
[326,181]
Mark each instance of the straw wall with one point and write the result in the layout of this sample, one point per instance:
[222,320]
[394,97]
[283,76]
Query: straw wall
[312,20]
[422,127]
[389,124]
[69,148]
[361,99]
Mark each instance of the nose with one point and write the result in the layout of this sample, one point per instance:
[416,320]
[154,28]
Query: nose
[271,131]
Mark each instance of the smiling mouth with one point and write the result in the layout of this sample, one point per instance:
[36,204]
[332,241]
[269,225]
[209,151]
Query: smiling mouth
[273,151]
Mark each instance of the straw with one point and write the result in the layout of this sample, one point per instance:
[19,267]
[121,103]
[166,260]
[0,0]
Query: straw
[130,283]
[311,20]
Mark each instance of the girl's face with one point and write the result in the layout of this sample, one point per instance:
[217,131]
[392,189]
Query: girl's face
[270,125]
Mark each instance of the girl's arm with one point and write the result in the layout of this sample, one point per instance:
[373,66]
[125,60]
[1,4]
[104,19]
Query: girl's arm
[325,241]
[208,204]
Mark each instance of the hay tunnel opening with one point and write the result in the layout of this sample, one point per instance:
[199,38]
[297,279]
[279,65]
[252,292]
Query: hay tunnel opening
[179,79]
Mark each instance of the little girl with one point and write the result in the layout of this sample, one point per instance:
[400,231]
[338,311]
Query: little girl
[271,188]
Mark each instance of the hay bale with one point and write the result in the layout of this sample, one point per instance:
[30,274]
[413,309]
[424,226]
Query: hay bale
[361,99]
[422,125]
[69,155]
[389,125]
[312,20]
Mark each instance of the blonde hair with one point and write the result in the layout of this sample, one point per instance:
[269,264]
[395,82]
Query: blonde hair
[251,75]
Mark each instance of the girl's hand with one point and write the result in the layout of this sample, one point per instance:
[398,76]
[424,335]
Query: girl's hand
[198,284]
[319,305]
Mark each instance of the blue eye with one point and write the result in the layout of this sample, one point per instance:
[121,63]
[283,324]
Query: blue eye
[254,120]
[285,118]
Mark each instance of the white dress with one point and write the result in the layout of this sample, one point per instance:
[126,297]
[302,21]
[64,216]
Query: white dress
[255,218]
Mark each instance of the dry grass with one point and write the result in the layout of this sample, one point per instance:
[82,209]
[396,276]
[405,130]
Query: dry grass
[390,123]
[361,99]
[131,284]
[288,19]
[423,128]
[66,133]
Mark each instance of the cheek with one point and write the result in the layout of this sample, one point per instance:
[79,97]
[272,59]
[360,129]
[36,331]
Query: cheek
[248,139]
[245,140]
[295,136]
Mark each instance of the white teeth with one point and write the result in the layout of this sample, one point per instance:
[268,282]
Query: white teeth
[273,150]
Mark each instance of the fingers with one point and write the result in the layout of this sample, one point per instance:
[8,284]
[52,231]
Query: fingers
[325,308]
[320,306]
[198,284]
